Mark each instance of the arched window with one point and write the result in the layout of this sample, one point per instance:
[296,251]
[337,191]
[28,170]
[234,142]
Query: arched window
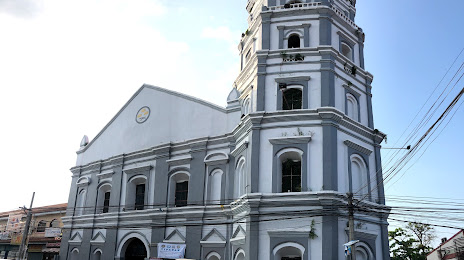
[352,107]
[363,252]
[75,254]
[41,226]
[240,178]
[103,200]
[290,170]
[359,175]
[246,107]
[55,223]
[213,256]
[292,98]
[346,51]
[135,250]
[179,189]
[294,41]
[80,203]
[216,187]
[97,254]
[288,251]
[240,255]
[135,194]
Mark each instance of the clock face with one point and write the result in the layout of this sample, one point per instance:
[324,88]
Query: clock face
[142,115]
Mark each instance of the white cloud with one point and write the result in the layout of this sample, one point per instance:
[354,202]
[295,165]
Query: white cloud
[21,8]
[220,33]
[65,73]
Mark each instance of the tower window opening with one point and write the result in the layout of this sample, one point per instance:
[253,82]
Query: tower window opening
[292,99]
[41,226]
[106,202]
[291,176]
[247,56]
[181,194]
[139,196]
[346,51]
[294,41]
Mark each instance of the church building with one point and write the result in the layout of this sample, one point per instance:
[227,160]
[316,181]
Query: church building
[264,178]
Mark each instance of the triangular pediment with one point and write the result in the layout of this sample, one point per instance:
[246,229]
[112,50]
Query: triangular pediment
[99,238]
[175,237]
[239,233]
[76,238]
[214,236]
[161,109]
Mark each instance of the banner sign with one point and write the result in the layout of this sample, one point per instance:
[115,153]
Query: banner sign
[16,239]
[53,244]
[35,248]
[172,251]
[14,223]
[4,235]
[52,232]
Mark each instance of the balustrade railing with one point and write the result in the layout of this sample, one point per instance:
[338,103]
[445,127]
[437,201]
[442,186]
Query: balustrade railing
[314,5]
[344,17]
[296,5]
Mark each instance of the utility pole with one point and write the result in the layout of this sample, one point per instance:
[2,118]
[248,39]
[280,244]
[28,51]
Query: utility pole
[23,247]
[351,225]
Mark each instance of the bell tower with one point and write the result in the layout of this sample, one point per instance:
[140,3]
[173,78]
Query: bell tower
[306,93]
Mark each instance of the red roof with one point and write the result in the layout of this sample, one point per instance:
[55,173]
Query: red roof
[50,208]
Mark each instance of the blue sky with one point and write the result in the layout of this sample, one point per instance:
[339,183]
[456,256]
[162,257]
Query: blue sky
[409,47]
[69,66]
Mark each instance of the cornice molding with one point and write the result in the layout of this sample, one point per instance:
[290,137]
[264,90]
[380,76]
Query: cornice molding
[239,149]
[179,160]
[138,169]
[357,147]
[290,140]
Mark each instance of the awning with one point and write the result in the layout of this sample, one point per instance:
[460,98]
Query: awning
[51,250]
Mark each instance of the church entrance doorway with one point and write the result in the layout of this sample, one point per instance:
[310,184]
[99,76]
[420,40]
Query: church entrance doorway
[135,250]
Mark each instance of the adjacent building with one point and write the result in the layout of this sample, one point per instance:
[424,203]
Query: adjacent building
[449,249]
[264,178]
[44,233]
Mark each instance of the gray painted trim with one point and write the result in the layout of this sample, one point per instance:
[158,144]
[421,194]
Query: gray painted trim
[328,80]
[281,36]
[266,31]
[300,81]
[276,176]
[260,92]
[379,175]
[306,35]
[329,156]
[370,116]
[252,237]
[325,29]
[361,55]
[330,243]
[385,242]
[253,165]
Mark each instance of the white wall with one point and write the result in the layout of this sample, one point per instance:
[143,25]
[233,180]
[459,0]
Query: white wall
[172,119]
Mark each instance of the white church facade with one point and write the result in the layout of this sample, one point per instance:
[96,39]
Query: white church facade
[264,178]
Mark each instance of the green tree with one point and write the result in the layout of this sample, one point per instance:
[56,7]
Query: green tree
[412,242]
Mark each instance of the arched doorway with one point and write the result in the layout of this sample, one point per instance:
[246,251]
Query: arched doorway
[135,250]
